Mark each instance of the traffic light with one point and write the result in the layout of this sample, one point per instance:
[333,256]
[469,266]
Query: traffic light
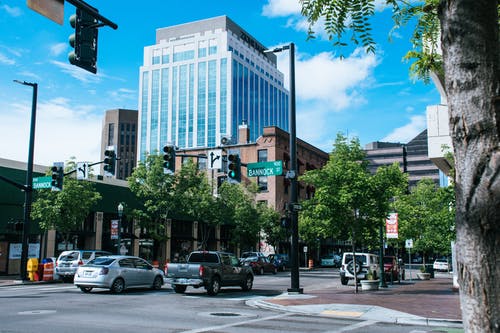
[84,41]
[234,167]
[169,159]
[109,161]
[57,177]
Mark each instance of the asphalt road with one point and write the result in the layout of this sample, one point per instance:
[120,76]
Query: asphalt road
[62,307]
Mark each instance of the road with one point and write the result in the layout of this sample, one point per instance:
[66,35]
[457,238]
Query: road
[62,307]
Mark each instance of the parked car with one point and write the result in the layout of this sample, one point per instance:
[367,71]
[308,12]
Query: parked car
[279,260]
[331,260]
[117,273]
[68,261]
[393,270]
[364,263]
[211,270]
[260,265]
[441,265]
[245,255]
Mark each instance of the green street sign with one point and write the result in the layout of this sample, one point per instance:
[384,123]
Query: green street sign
[42,182]
[261,169]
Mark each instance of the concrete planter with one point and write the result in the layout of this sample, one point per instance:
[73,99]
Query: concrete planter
[424,276]
[369,284]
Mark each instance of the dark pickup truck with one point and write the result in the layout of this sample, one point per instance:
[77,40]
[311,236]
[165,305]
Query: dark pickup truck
[209,269]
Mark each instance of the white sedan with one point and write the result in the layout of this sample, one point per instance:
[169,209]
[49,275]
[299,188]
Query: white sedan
[441,265]
[118,273]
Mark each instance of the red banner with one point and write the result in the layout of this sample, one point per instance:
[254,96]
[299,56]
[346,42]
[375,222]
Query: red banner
[391,226]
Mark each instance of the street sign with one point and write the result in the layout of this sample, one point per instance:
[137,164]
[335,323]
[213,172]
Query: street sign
[52,9]
[42,182]
[214,159]
[82,171]
[114,229]
[260,169]
[409,243]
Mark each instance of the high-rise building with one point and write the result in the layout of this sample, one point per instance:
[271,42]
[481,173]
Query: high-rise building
[120,131]
[413,158]
[203,79]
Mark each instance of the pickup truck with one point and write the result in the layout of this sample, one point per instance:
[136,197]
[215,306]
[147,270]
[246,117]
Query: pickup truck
[211,270]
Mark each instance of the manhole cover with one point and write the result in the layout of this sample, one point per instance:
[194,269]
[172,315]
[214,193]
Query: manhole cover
[37,312]
[225,314]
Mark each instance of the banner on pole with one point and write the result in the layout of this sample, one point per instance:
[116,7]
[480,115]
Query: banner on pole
[391,226]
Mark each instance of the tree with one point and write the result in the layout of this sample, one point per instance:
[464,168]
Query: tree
[66,210]
[237,207]
[156,191]
[426,215]
[348,199]
[195,199]
[469,36]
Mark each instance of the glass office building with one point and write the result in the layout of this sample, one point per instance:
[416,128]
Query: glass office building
[203,79]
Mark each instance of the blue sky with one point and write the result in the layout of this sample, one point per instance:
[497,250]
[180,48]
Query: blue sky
[370,96]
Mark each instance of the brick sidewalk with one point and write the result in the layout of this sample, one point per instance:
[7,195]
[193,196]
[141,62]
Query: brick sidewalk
[432,298]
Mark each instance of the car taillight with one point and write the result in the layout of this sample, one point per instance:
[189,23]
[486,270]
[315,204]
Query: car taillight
[166,269]
[80,263]
[104,271]
[201,271]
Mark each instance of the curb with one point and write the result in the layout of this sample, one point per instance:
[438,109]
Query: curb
[356,312]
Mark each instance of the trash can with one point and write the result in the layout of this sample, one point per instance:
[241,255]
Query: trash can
[32,268]
[430,270]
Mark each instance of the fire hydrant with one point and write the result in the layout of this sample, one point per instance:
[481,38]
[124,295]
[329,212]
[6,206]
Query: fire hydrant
[32,268]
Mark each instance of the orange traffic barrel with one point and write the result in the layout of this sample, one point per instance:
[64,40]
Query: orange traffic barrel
[48,271]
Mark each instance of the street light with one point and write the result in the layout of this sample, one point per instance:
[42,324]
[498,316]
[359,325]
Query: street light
[120,214]
[292,175]
[28,191]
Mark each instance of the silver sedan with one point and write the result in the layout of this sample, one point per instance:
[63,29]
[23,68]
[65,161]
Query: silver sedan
[118,273]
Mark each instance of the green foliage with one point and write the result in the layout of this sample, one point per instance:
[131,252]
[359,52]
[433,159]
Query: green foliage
[352,17]
[427,215]
[156,191]
[348,199]
[237,207]
[270,225]
[65,210]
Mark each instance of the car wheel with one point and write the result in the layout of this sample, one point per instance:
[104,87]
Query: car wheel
[157,283]
[86,289]
[344,281]
[214,286]
[248,284]
[118,286]
[179,289]
[261,271]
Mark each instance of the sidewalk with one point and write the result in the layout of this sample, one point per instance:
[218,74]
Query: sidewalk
[430,302]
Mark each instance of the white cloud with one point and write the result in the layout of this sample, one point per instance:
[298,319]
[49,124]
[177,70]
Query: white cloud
[6,60]
[330,81]
[58,49]
[77,72]
[12,11]
[409,131]
[276,8]
[62,131]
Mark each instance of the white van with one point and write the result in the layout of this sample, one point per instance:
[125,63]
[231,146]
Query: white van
[68,261]
[365,262]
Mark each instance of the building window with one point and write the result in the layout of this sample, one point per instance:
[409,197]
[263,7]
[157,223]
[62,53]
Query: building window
[156,57]
[111,134]
[262,181]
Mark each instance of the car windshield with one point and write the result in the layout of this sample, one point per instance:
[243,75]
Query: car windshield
[249,259]
[441,261]
[359,258]
[69,256]
[203,257]
[101,261]
[388,260]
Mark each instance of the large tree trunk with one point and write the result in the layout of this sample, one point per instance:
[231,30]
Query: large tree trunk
[470,40]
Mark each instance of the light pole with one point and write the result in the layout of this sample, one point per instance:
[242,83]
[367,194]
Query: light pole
[292,175]
[120,214]
[28,190]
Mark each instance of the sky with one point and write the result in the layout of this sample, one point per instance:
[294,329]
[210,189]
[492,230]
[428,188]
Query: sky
[364,95]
